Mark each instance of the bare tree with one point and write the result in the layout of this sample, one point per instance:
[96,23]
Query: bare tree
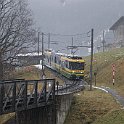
[16,30]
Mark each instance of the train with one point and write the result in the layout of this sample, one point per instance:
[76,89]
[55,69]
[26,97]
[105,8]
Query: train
[70,66]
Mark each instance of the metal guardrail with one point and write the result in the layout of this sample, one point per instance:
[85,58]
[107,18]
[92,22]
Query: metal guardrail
[72,87]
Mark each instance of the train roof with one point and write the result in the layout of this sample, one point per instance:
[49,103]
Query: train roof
[69,56]
[74,57]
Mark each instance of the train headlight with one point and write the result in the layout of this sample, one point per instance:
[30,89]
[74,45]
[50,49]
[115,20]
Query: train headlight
[72,71]
[81,72]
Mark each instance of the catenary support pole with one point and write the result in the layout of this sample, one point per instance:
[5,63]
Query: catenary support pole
[48,40]
[91,65]
[43,74]
[103,42]
[38,40]
[72,46]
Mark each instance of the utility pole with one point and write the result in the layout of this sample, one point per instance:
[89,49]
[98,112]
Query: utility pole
[91,65]
[48,40]
[38,40]
[43,74]
[103,41]
[72,46]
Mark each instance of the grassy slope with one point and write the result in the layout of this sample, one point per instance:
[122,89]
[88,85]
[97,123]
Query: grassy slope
[87,106]
[97,106]
[4,118]
[28,73]
[103,66]
[114,117]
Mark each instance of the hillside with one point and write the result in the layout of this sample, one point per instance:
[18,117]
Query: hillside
[96,106]
[102,64]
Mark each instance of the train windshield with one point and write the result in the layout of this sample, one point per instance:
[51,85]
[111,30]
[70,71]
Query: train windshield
[76,66]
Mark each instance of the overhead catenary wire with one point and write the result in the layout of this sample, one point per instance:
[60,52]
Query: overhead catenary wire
[79,37]
[67,35]
[52,38]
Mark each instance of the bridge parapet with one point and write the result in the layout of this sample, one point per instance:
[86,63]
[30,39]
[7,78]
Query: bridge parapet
[18,95]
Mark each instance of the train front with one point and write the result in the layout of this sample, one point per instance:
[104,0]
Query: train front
[73,67]
[77,68]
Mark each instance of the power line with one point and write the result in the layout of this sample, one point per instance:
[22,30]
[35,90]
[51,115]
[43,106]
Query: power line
[65,35]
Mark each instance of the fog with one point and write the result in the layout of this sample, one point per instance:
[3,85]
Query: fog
[75,17]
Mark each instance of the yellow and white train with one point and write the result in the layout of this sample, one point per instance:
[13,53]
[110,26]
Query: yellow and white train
[70,66]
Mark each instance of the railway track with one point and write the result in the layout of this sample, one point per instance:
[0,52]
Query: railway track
[69,86]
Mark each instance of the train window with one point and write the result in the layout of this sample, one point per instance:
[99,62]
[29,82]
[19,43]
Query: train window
[55,59]
[66,64]
[76,66]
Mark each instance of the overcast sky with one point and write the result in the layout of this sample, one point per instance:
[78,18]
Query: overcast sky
[75,16]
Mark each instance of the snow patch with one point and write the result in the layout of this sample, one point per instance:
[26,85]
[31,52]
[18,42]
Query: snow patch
[100,88]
